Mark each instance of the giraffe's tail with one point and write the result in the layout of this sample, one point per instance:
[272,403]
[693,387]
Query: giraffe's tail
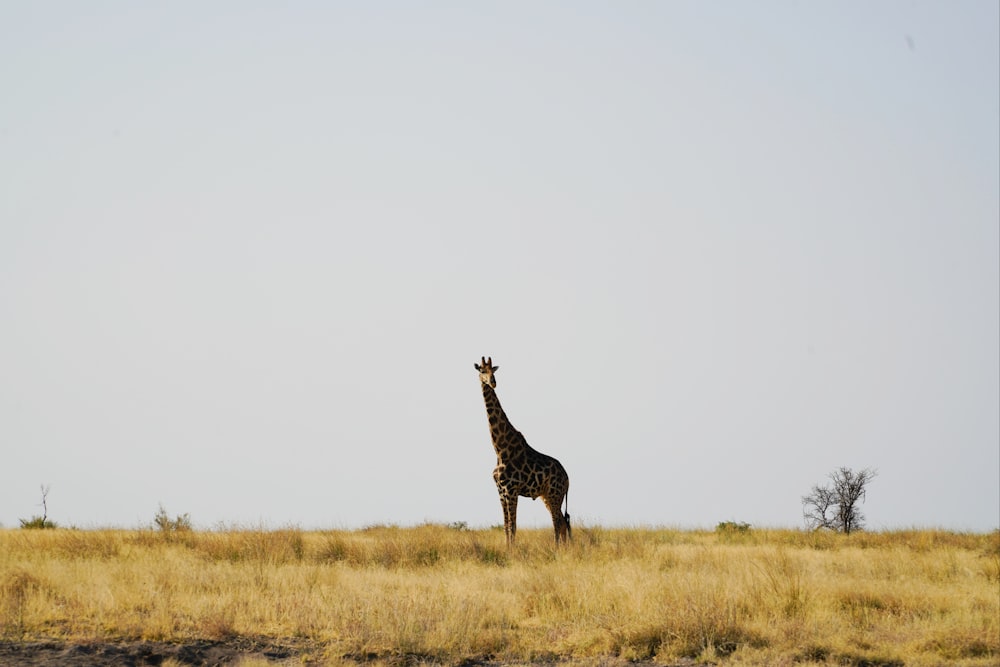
[569,529]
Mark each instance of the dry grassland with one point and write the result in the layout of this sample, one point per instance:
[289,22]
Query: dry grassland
[445,595]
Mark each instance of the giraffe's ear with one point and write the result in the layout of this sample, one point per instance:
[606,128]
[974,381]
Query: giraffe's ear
[496,368]
[477,367]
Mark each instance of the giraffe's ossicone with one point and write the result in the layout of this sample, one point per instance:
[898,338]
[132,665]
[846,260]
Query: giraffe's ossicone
[521,470]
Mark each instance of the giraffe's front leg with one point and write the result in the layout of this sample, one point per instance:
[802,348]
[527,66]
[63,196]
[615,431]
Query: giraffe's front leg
[509,518]
[511,513]
[509,504]
[506,515]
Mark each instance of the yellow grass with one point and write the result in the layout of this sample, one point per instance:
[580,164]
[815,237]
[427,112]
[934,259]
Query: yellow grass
[444,595]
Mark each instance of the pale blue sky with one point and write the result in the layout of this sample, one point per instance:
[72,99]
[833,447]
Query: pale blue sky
[249,253]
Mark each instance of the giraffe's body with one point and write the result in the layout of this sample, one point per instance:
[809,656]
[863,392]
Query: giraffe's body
[521,470]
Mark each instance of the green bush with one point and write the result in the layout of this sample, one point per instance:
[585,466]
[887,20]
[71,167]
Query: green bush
[180,524]
[732,528]
[37,522]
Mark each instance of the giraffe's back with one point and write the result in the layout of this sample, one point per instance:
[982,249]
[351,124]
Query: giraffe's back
[536,474]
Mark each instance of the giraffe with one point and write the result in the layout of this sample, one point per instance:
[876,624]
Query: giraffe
[522,471]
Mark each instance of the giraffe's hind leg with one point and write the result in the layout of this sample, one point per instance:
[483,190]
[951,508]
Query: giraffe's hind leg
[560,522]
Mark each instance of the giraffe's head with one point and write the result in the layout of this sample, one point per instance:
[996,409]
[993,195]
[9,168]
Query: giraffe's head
[486,371]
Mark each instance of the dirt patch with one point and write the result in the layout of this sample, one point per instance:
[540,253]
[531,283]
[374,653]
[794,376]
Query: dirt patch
[231,652]
[138,654]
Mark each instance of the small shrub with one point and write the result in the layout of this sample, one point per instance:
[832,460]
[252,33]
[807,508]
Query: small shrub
[732,531]
[37,522]
[732,528]
[180,524]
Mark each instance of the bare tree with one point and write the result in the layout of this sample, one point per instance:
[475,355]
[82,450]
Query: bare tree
[45,503]
[836,506]
[40,521]
[816,507]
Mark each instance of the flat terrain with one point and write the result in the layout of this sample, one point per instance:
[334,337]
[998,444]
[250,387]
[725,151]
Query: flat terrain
[450,596]
[238,652]
[105,654]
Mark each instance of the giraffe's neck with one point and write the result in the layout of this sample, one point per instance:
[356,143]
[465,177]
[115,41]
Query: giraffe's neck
[500,426]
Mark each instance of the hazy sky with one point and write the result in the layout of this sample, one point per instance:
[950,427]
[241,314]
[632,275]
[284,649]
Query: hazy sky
[249,253]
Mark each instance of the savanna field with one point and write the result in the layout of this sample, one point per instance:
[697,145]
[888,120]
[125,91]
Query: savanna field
[448,595]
